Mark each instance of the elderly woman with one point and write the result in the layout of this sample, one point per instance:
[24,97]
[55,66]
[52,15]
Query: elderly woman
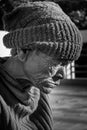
[44,40]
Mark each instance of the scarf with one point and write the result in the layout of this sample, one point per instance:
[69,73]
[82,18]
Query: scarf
[41,118]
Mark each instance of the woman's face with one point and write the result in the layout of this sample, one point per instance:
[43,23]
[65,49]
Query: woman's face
[43,71]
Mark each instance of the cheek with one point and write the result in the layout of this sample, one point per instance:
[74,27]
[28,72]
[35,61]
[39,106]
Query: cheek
[31,68]
[36,66]
[36,71]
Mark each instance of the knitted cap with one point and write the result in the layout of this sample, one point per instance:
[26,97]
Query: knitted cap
[43,26]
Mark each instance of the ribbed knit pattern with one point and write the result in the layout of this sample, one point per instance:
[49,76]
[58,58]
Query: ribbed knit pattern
[42,117]
[43,26]
[58,39]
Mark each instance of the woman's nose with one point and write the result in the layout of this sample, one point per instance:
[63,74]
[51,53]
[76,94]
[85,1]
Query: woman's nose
[57,77]
[60,74]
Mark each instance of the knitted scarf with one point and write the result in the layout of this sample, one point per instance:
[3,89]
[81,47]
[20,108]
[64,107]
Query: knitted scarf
[41,119]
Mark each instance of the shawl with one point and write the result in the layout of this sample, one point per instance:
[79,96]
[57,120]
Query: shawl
[13,119]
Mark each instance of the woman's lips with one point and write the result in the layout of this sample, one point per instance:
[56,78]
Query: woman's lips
[47,86]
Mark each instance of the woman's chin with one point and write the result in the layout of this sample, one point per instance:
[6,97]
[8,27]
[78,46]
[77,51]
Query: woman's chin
[47,87]
[46,90]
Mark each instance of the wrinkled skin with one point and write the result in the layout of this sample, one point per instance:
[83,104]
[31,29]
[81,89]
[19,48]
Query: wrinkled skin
[43,73]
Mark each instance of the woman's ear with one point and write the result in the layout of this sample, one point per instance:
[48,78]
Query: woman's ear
[21,55]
